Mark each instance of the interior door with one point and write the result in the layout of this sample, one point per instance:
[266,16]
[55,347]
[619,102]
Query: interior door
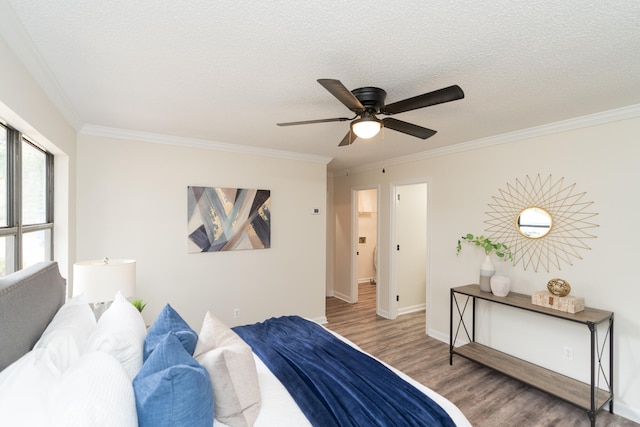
[411,246]
[364,239]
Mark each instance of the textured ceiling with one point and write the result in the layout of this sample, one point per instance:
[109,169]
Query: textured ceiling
[226,72]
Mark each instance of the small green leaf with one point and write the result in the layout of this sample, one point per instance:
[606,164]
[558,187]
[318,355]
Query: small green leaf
[500,249]
[137,303]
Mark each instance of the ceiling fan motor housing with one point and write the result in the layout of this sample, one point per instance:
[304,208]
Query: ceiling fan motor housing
[371,98]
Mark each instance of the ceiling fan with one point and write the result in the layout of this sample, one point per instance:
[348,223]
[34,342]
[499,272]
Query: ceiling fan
[366,102]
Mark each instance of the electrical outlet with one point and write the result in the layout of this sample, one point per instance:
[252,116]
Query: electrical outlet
[568,353]
[236,313]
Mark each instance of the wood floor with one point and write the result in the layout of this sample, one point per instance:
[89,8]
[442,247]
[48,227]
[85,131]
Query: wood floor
[487,398]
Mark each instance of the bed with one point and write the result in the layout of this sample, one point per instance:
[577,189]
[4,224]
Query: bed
[59,366]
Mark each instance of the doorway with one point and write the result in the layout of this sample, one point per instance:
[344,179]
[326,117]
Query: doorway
[365,241]
[409,260]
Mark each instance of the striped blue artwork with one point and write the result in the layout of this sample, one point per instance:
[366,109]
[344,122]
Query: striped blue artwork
[226,219]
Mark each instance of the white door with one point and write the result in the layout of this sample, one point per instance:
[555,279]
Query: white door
[411,247]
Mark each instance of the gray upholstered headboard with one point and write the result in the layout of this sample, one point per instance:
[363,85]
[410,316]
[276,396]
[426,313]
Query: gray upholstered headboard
[29,299]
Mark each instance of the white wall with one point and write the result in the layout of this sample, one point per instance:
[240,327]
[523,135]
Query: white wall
[603,162]
[330,253]
[132,203]
[24,106]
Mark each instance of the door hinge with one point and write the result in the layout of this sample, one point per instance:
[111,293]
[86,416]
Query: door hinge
[397,297]
[398,248]
[398,197]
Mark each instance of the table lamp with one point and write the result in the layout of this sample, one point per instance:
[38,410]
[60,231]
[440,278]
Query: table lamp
[101,280]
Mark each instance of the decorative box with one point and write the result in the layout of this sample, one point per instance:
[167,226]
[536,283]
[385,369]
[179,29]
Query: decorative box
[569,304]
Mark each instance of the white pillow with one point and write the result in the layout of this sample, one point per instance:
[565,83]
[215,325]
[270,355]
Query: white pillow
[120,332]
[232,369]
[95,391]
[25,389]
[67,334]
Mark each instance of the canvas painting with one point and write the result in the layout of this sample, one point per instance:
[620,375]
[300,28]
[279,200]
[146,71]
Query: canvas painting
[227,219]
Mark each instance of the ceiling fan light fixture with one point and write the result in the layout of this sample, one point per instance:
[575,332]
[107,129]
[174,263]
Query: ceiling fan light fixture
[366,127]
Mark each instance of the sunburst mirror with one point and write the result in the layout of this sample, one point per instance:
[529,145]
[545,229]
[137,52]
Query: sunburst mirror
[544,222]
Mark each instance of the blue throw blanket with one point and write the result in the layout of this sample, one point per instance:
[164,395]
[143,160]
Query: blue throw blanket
[335,384]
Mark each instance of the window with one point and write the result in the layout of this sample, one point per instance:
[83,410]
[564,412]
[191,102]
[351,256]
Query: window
[26,202]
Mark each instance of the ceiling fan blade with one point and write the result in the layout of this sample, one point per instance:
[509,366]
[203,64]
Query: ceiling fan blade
[348,139]
[308,122]
[343,94]
[408,128]
[439,96]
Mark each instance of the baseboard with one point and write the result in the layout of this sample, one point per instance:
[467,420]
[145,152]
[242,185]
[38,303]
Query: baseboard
[625,411]
[438,335]
[445,337]
[343,297]
[412,309]
[383,313]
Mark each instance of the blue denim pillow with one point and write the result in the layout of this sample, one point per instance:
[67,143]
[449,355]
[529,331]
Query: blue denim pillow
[172,389]
[169,321]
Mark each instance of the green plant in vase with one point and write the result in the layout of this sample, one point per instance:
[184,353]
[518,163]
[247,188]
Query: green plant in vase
[139,304]
[501,250]
[489,247]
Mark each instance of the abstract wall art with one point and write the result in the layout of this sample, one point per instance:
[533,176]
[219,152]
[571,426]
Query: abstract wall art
[227,219]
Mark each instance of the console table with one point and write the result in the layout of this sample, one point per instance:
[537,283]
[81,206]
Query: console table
[589,397]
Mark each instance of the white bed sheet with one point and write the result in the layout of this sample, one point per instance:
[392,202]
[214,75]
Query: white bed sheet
[278,407]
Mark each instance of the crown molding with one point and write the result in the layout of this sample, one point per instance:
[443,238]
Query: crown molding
[618,114]
[21,45]
[116,133]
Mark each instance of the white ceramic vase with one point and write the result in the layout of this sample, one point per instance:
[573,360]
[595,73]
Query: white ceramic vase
[486,271]
[500,285]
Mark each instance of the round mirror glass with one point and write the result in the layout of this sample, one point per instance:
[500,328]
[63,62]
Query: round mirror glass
[534,222]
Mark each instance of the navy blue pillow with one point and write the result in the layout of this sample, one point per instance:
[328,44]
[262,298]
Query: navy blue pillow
[172,389]
[169,321]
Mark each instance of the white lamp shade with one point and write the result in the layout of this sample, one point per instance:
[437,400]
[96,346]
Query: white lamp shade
[101,280]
